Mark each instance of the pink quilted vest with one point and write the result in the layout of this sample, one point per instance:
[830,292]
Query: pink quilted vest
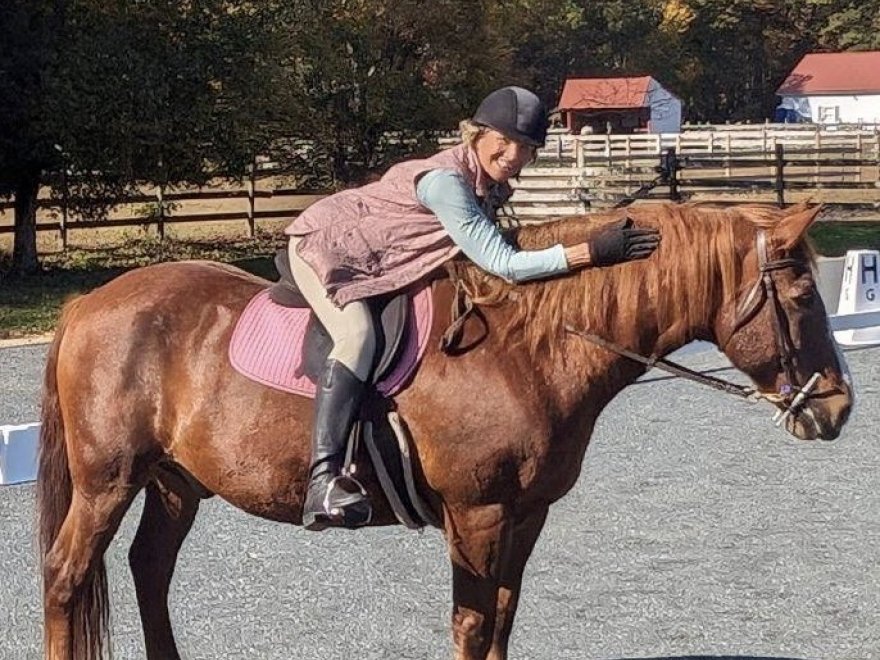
[378,238]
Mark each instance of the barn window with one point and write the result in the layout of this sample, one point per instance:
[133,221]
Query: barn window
[829,114]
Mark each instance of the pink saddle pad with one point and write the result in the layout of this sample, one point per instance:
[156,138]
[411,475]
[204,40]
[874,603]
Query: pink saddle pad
[267,344]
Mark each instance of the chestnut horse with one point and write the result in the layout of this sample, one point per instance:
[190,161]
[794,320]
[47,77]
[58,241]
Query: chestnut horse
[139,393]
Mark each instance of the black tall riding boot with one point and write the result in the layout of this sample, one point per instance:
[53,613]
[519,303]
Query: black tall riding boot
[331,499]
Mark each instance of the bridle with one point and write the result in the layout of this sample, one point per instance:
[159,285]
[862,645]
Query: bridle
[792,394]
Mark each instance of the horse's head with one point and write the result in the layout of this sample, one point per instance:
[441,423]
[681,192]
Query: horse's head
[776,330]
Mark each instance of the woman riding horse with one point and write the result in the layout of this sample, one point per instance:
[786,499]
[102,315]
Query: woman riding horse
[140,396]
[389,234]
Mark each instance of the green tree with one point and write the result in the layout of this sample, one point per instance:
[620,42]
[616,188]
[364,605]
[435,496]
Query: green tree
[847,24]
[368,72]
[123,92]
[726,58]
[619,35]
[25,147]
[539,42]
[365,74]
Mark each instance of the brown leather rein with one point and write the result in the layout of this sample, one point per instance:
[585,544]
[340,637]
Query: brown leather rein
[791,394]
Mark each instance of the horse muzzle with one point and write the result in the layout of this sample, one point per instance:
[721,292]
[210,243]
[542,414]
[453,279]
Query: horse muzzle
[819,416]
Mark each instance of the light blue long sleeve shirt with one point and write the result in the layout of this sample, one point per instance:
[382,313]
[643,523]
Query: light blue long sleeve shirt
[446,194]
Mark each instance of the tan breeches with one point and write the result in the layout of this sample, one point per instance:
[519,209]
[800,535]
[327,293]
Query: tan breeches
[351,327]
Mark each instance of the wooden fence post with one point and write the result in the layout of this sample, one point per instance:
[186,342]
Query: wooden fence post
[251,195]
[877,154]
[670,167]
[160,196]
[727,155]
[65,196]
[780,177]
[859,156]
[579,155]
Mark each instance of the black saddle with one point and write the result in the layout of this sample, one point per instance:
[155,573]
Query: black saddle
[387,440]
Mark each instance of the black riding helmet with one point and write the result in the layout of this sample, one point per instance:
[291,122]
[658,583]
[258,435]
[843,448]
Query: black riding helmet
[516,113]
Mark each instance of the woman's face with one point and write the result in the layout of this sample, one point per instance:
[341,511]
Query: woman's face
[500,157]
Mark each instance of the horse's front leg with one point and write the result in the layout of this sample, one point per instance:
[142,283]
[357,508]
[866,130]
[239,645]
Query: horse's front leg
[477,538]
[517,552]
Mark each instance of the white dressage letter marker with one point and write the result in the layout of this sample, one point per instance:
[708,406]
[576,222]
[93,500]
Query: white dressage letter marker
[18,453]
[860,292]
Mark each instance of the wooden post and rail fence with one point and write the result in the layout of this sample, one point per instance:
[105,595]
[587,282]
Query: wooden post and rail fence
[160,206]
[726,164]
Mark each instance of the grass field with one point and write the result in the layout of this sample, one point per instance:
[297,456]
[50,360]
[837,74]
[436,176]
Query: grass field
[29,306]
[833,239]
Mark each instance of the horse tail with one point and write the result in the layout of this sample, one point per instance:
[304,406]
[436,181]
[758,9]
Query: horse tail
[54,487]
[54,494]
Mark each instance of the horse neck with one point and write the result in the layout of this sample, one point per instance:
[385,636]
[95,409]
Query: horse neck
[659,305]
[652,308]
[693,278]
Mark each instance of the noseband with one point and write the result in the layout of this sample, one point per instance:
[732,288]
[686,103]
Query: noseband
[791,393]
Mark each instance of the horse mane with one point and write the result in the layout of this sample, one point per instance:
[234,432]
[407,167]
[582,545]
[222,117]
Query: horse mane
[697,266]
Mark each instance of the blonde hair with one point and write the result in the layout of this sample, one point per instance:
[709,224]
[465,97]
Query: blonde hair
[470,131]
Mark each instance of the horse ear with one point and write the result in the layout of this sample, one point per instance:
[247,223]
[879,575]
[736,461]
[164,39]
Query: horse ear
[791,229]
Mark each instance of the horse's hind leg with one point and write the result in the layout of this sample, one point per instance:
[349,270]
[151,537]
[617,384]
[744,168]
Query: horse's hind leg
[169,510]
[74,578]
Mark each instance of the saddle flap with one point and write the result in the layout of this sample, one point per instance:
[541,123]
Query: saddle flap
[390,317]
[393,317]
[316,347]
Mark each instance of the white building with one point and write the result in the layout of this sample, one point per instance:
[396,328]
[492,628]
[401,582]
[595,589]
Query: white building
[633,104]
[832,88]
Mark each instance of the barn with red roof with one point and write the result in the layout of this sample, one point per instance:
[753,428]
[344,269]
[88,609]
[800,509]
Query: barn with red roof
[630,104]
[832,88]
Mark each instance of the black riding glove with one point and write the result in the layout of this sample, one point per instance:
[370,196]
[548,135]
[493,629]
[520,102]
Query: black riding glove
[622,241]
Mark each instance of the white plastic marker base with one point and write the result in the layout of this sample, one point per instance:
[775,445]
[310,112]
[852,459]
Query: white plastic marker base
[18,453]
[859,292]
